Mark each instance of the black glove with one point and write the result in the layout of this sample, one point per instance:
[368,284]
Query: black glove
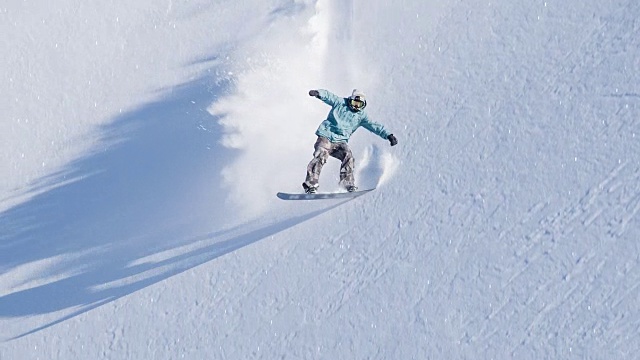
[314,93]
[392,139]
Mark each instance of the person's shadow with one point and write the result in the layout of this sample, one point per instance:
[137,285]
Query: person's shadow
[79,242]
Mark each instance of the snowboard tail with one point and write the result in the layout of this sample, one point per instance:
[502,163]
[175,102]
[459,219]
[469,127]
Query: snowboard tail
[322,196]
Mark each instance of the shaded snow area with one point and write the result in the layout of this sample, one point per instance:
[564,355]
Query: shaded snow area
[142,144]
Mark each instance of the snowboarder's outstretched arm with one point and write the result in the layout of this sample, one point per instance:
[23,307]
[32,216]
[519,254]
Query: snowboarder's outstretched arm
[379,130]
[326,96]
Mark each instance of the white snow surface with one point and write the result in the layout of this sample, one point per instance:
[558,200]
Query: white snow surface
[142,144]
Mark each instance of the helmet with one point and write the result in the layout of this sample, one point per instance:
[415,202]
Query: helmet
[357,100]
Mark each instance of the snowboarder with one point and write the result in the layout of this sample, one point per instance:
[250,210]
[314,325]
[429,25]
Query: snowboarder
[346,115]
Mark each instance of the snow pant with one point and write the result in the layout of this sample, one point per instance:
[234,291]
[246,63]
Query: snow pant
[323,149]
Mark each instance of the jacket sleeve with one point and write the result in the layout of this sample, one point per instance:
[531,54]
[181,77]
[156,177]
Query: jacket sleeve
[374,127]
[329,98]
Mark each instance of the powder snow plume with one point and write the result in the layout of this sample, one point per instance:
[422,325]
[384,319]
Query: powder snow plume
[269,118]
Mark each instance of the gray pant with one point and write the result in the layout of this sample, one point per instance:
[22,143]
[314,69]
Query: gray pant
[323,149]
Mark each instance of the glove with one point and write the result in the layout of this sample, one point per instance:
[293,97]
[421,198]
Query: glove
[314,93]
[392,139]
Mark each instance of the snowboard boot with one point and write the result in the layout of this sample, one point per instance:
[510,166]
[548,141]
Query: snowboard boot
[313,189]
[351,188]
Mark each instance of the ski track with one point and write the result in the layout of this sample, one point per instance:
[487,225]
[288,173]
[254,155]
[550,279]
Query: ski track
[612,203]
[579,280]
[579,285]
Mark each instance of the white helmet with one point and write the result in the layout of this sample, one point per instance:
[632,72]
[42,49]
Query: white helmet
[357,101]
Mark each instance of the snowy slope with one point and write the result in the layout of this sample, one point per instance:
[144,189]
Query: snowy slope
[505,224]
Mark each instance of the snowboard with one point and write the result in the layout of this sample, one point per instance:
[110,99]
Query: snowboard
[322,196]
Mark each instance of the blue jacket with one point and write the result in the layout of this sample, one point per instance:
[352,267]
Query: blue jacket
[341,121]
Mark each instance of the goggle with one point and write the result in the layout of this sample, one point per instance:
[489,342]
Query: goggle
[357,103]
